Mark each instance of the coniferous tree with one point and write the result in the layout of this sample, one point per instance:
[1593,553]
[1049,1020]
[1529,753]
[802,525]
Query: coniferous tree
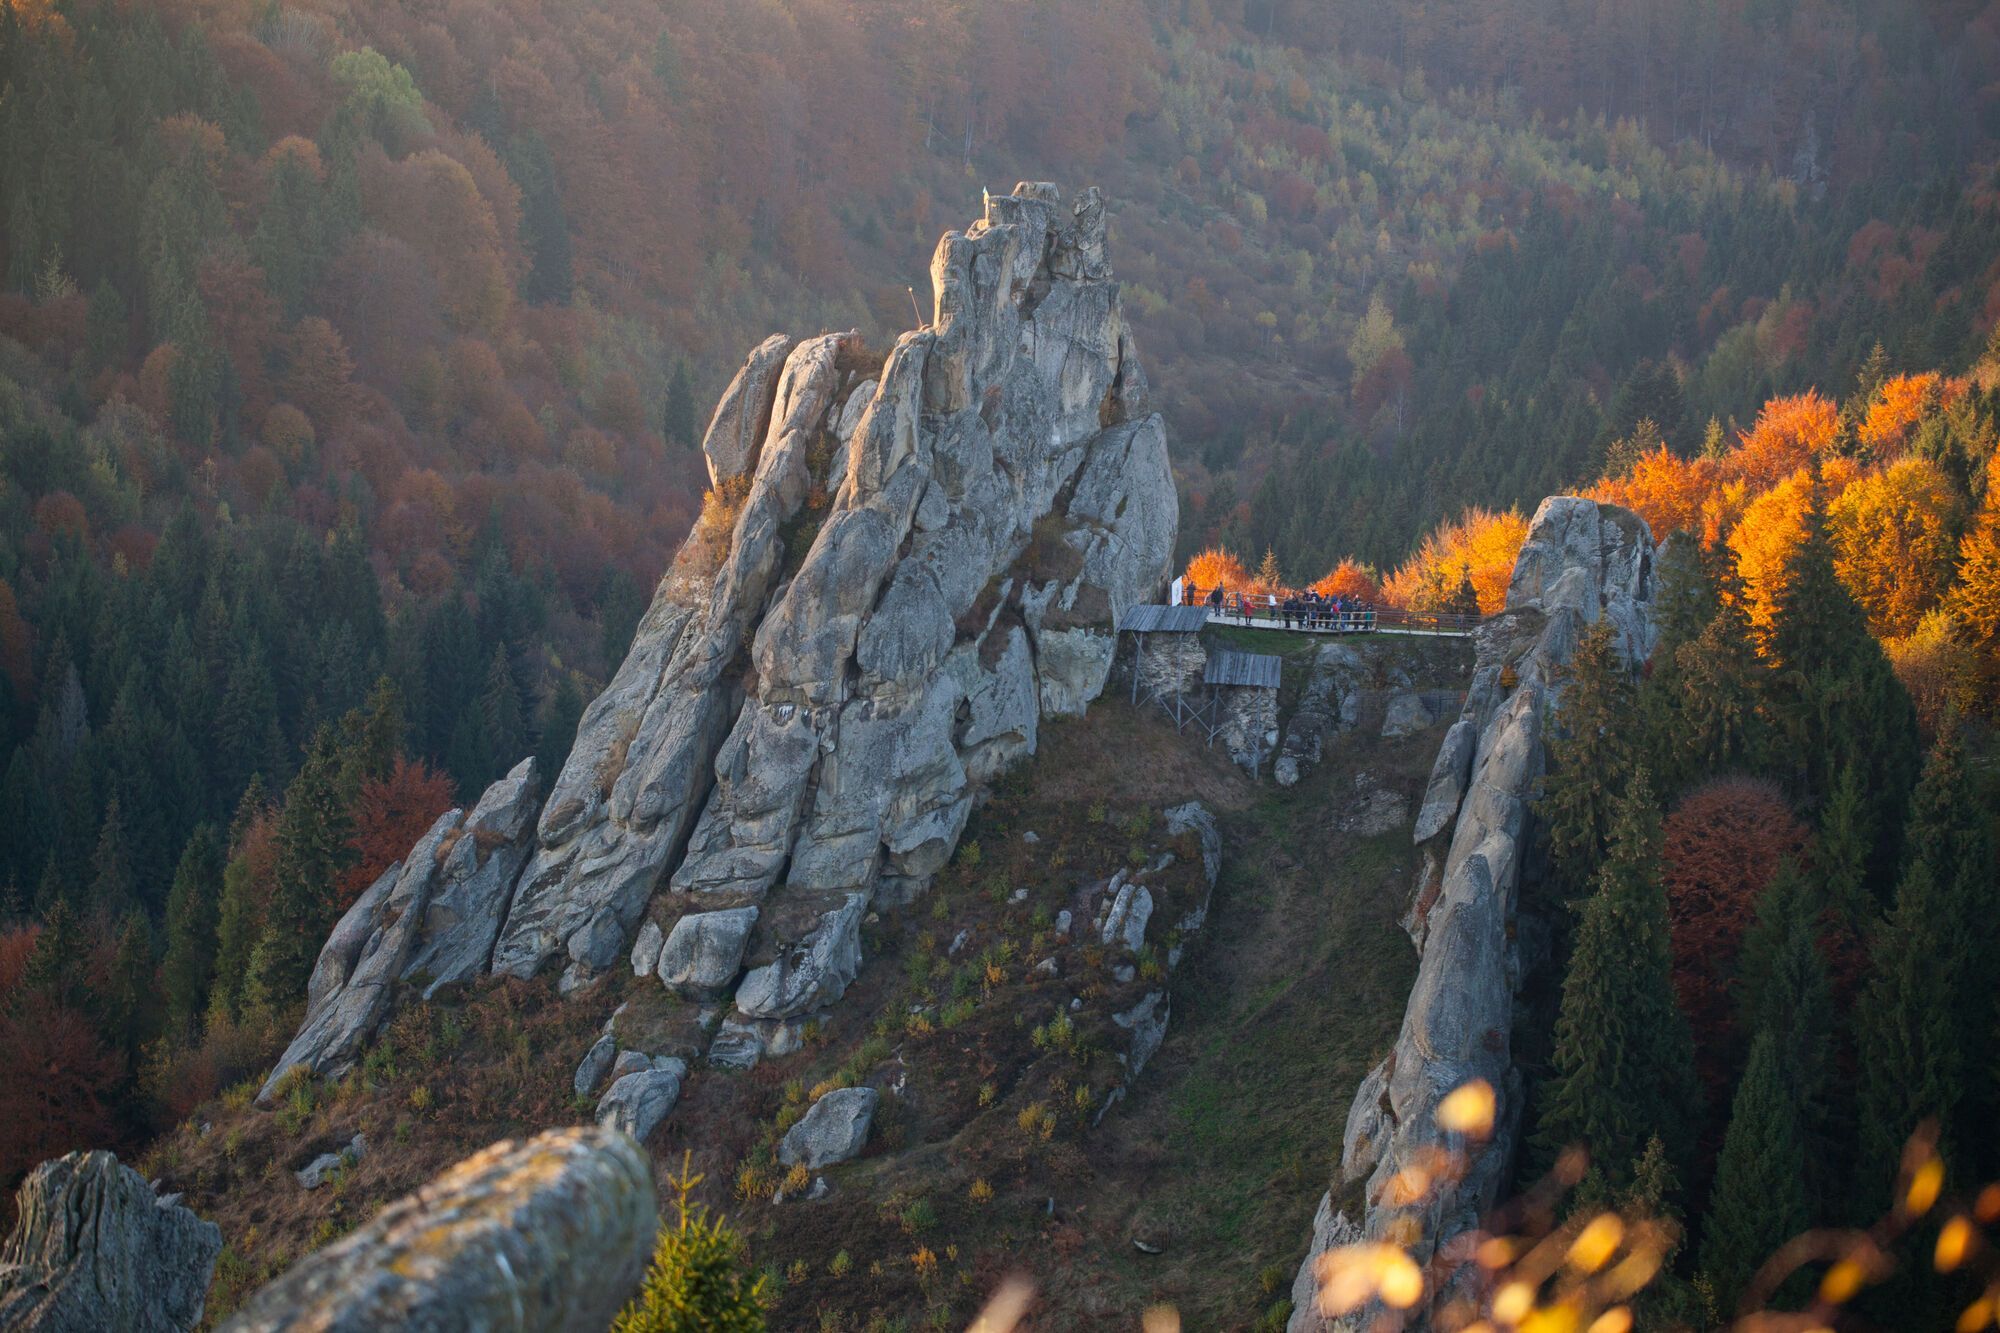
[1789,998]
[311,850]
[1913,1061]
[129,1003]
[560,716]
[1623,1069]
[111,886]
[506,733]
[1590,758]
[1839,700]
[238,926]
[1758,1202]
[193,905]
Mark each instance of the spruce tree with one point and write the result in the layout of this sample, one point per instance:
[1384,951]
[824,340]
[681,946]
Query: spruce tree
[1913,1060]
[1623,1069]
[193,906]
[506,732]
[1758,1202]
[1590,758]
[238,926]
[311,846]
[129,1004]
[557,732]
[111,887]
[1835,692]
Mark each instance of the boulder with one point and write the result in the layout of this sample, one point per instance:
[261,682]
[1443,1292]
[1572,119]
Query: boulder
[636,1103]
[492,1243]
[1147,1022]
[646,949]
[1407,714]
[596,1063]
[315,1173]
[94,1249]
[704,952]
[1125,923]
[813,971]
[834,1129]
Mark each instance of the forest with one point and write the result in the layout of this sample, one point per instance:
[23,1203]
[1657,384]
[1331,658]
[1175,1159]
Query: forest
[354,361]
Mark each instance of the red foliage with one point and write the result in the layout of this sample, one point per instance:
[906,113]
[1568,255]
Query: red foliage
[1723,845]
[16,946]
[53,1091]
[390,814]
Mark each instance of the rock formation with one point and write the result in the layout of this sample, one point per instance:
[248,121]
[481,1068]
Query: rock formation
[494,1242]
[1583,562]
[95,1249]
[905,563]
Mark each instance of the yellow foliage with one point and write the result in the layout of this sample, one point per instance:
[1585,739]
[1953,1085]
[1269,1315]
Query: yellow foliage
[1770,529]
[1216,567]
[1899,405]
[1936,666]
[1664,489]
[1480,540]
[1790,432]
[1892,534]
[1350,579]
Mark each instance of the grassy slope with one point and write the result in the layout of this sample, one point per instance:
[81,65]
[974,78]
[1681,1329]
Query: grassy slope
[1281,1004]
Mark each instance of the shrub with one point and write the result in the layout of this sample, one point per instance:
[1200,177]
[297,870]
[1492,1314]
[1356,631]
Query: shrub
[981,1192]
[699,1280]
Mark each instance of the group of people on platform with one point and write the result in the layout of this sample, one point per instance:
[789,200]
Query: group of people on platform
[1302,610]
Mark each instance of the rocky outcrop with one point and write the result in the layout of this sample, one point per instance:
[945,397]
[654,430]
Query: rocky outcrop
[833,1130]
[905,563]
[1583,562]
[1331,1229]
[806,721]
[94,1249]
[429,920]
[552,1233]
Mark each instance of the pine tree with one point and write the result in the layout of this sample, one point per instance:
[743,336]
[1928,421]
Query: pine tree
[1758,1201]
[1623,1069]
[1464,599]
[1590,758]
[55,966]
[193,905]
[239,925]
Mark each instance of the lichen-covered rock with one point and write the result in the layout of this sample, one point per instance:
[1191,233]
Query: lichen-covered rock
[552,1233]
[1583,561]
[429,920]
[834,1129]
[636,1103]
[1147,1022]
[93,1249]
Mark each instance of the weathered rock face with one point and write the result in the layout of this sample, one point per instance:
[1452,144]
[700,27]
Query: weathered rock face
[430,919]
[94,1249]
[637,1102]
[1582,562]
[492,1243]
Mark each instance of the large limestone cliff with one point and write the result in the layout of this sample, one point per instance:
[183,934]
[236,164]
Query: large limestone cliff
[1583,562]
[907,561]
